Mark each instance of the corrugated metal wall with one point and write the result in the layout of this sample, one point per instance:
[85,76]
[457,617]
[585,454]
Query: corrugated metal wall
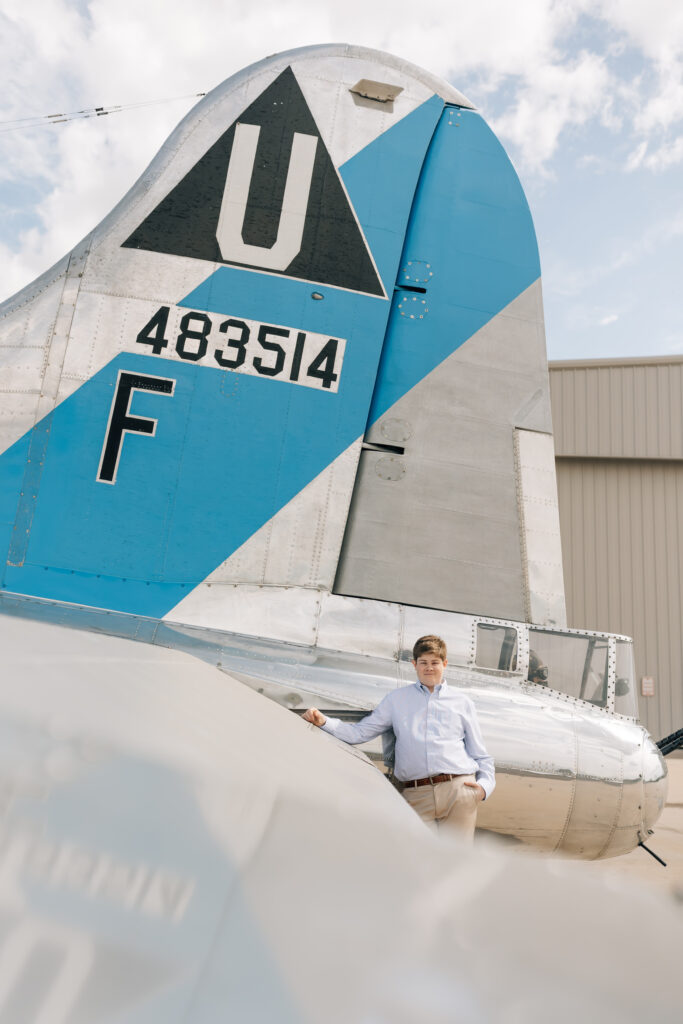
[619,449]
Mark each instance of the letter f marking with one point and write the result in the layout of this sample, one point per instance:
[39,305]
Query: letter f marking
[122,422]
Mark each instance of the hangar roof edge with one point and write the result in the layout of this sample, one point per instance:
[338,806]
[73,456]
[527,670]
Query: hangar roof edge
[589,364]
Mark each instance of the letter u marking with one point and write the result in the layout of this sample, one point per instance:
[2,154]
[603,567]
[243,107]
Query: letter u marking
[294,203]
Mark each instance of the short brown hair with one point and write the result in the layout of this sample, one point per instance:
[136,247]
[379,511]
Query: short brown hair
[430,644]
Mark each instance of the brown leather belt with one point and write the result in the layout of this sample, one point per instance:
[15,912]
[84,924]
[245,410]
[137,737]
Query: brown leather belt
[431,780]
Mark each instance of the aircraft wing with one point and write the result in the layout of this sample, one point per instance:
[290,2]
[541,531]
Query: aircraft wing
[175,847]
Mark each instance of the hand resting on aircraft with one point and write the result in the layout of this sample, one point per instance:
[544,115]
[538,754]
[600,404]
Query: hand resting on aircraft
[314,716]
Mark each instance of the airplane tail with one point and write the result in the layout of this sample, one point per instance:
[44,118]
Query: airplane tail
[305,351]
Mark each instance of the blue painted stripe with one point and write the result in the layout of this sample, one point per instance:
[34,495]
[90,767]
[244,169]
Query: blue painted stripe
[381,181]
[230,450]
[472,223]
[28,494]
[13,466]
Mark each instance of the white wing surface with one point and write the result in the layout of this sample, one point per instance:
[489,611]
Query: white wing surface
[175,847]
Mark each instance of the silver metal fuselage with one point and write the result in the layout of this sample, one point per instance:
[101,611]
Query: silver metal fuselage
[572,778]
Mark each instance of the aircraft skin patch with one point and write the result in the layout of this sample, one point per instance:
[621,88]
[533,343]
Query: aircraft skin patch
[267,196]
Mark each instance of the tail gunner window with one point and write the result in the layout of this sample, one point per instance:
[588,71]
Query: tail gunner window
[575,665]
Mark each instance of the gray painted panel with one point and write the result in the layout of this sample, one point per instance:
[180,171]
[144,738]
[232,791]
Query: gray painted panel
[450,502]
[465,442]
[459,583]
[472,489]
[482,390]
[452,537]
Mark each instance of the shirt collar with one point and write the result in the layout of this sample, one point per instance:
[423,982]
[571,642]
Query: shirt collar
[442,688]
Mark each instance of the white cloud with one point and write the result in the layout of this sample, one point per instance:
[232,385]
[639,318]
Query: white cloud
[666,155]
[655,27]
[637,156]
[65,55]
[605,321]
[559,96]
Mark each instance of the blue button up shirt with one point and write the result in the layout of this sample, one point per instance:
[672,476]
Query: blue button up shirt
[435,732]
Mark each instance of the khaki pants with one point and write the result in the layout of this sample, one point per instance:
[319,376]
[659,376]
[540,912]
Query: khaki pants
[447,805]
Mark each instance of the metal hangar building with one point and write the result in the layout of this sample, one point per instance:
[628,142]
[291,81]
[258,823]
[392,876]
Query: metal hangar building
[618,426]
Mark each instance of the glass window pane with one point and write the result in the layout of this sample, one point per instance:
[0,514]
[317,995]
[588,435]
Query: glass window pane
[496,647]
[576,665]
[594,681]
[625,700]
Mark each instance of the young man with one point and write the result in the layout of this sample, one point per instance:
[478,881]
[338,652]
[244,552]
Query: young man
[440,755]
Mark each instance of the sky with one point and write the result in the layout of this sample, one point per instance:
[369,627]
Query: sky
[587,98]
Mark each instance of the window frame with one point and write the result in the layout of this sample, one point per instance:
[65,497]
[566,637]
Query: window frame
[519,631]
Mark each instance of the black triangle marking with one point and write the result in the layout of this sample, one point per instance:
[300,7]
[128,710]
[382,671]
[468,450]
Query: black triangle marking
[333,250]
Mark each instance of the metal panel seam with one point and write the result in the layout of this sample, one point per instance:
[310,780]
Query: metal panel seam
[40,434]
[522,525]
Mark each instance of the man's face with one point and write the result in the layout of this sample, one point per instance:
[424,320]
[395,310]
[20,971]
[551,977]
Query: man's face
[430,669]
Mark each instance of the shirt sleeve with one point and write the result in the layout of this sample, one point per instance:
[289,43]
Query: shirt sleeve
[377,722]
[474,745]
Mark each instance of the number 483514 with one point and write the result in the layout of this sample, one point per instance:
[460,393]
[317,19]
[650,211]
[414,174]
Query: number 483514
[246,346]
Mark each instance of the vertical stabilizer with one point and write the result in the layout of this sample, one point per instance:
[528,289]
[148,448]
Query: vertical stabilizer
[297,352]
[448,509]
